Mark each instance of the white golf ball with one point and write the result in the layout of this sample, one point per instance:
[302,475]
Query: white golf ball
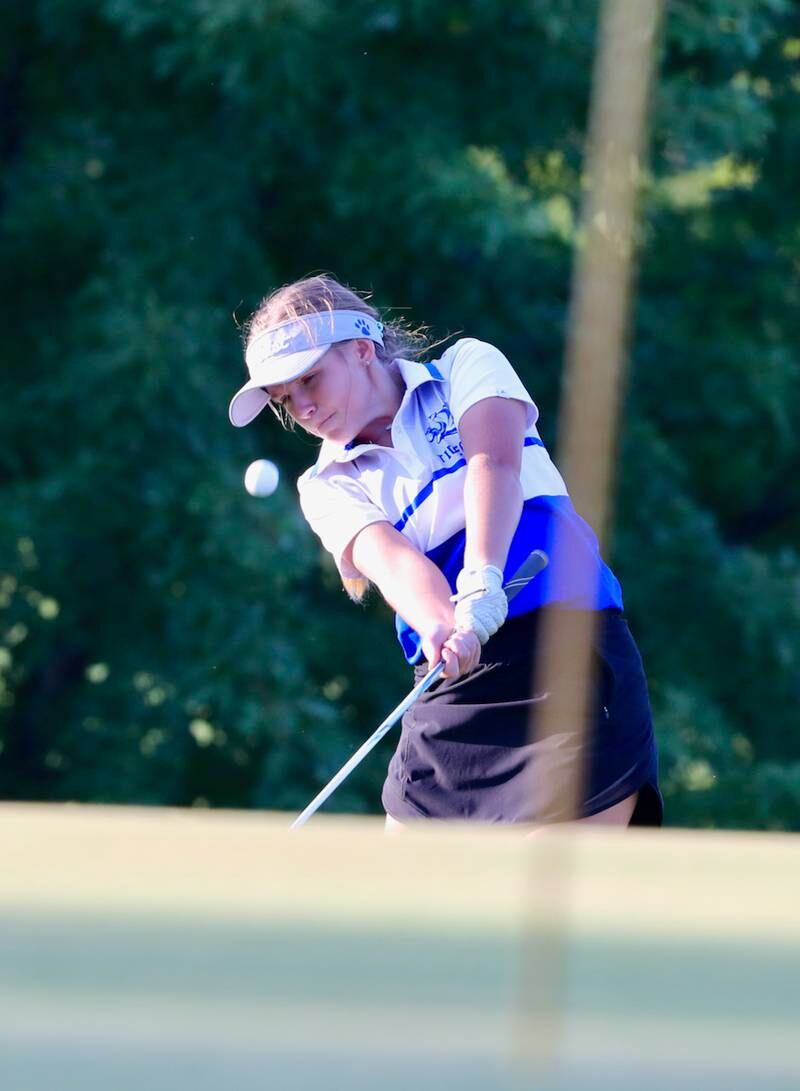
[261,477]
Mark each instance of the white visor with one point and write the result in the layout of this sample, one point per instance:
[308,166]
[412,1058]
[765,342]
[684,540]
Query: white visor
[283,353]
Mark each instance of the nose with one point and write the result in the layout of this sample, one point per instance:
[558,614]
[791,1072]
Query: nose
[304,407]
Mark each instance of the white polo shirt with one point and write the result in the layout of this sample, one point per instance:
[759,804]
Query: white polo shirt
[418,486]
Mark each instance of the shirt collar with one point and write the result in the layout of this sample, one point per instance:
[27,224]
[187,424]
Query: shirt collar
[414,374]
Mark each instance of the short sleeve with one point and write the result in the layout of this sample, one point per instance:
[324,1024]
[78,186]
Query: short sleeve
[479,371]
[336,508]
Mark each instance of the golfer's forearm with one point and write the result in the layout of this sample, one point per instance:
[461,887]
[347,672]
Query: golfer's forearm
[410,583]
[420,594]
[493,504]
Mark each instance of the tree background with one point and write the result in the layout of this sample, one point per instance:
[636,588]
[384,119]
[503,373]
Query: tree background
[167,639]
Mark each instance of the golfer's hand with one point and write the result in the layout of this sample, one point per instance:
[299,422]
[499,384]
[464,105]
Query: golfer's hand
[481,603]
[460,651]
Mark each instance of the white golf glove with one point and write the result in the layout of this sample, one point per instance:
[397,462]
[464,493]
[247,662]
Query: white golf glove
[481,603]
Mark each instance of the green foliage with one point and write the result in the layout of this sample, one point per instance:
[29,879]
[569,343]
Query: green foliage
[168,639]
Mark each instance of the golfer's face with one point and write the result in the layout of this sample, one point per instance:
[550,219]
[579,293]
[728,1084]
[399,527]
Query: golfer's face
[331,399]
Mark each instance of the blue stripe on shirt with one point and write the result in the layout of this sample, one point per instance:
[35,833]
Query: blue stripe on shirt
[427,490]
[577,576]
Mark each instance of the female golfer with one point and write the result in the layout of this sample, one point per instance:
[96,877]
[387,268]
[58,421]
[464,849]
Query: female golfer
[432,483]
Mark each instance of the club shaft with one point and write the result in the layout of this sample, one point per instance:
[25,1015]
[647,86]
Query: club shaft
[529,568]
[370,744]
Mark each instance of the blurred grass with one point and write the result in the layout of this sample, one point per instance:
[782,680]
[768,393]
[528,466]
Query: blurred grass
[181,949]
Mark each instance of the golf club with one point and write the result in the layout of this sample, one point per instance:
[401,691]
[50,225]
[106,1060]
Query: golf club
[529,568]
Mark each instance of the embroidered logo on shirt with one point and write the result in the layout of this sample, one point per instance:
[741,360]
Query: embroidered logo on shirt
[441,428]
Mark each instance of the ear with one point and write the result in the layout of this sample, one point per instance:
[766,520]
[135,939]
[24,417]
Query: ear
[365,350]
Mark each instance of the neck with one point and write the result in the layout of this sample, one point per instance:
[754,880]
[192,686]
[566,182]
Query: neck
[388,389]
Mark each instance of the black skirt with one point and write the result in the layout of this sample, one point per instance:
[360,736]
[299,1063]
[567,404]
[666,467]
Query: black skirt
[465,749]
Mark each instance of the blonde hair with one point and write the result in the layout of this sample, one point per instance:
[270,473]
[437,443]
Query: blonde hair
[322,292]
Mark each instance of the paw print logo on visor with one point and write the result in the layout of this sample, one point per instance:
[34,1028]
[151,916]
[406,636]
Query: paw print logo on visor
[362,326]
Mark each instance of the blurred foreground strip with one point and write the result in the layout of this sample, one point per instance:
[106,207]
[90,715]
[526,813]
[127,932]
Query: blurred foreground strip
[183,949]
